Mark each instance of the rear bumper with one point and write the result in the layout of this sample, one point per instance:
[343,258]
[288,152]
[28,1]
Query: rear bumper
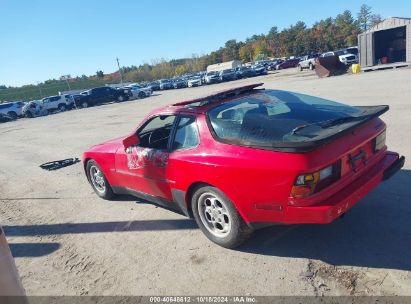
[330,209]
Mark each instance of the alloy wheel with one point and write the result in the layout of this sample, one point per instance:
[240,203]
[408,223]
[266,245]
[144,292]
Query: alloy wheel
[214,214]
[97,179]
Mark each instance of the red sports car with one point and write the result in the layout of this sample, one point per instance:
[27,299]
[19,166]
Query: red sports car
[248,157]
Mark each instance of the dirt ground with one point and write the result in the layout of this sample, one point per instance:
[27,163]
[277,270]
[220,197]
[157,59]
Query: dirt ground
[67,241]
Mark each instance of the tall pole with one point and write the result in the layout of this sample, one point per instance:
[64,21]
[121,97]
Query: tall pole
[119,69]
[41,93]
[68,84]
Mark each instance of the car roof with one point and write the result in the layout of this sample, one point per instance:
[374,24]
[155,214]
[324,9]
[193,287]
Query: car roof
[203,104]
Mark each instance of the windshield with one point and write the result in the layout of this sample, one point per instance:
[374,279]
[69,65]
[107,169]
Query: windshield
[262,119]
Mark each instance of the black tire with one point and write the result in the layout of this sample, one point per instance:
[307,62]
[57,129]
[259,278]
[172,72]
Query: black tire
[120,98]
[239,231]
[300,68]
[105,192]
[84,104]
[29,114]
[141,95]
[62,107]
[13,115]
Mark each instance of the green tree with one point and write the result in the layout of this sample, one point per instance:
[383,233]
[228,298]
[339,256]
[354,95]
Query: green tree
[230,51]
[100,74]
[245,53]
[364,17]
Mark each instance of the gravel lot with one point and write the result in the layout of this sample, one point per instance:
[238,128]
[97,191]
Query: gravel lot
[67,241]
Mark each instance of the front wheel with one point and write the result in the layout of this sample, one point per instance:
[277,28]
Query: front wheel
[62,108]
[141,95]
[98,181]
[311,67]
[217,217]
[13,115]
[120,98]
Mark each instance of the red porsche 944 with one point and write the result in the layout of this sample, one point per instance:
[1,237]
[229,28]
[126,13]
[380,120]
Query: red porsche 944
[245,158]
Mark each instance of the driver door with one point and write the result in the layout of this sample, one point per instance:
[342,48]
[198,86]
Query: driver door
[142,168]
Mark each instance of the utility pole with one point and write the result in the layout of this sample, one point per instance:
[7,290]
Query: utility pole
[119,70]
[68,84]
[41,93]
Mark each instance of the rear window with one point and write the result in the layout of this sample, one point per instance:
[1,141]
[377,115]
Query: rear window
[263,119]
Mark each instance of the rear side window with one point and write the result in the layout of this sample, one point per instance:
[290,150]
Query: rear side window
[186,134]
[54,98]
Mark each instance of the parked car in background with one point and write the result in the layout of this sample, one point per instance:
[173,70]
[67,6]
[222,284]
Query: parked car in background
[227,75]
[351,50]
[179,83]
[211,77]
[5,118]
[58,103]
[348,59]
[273,63]
[329,54]
[311,160]
[138,91]
[154,85]
[260,69]
[194,81]
[166,84]
[290,63]
[13,109]
[307,62]
[34,108]
[102,95]
[245,71]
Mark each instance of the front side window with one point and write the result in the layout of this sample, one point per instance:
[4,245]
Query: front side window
[156,132]
[186,134]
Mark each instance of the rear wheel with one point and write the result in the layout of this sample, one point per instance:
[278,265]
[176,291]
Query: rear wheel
[98,181]
[300,68]
[217,217]
[141,95]
[84,104]
[13,115]
[120,98]
[311,66]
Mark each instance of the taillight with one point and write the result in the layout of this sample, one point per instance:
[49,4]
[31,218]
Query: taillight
[379,142]
[307,184]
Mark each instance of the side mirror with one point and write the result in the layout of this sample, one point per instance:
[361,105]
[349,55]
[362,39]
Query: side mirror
[130,141]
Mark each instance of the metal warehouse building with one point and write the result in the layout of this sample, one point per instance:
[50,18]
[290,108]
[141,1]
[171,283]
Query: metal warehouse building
[388,42]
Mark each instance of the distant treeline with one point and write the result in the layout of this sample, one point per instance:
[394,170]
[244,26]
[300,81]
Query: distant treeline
[298,39]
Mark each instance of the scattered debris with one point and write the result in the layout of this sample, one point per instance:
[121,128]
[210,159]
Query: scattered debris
[58,164]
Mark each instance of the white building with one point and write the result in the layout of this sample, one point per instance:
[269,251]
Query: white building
[224,66]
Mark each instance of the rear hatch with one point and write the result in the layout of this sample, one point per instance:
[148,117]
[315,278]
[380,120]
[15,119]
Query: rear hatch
[286,121]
